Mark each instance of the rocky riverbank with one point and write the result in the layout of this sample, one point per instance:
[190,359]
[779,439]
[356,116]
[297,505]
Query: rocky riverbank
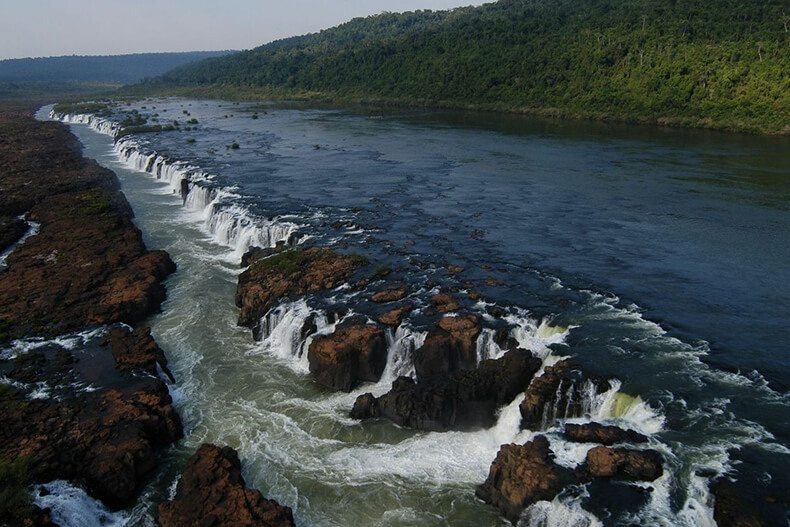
[89,405]
[83,394]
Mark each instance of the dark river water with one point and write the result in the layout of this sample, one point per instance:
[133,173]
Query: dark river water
[658,258]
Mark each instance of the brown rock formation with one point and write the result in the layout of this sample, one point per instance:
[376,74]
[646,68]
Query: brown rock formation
[354,352]
[522,475]
[462,401]
[214,493]
[106,438]
[88,265]
[449,348]
[598,433]
[624,463]
[391,294]
[137,350]
[291,272]
[732,509]
[395,316]
[444,303]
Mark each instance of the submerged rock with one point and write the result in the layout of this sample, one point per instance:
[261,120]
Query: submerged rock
[462,401]
[449,348]
[522,475]
[289,273]
[732,509]
[598,433]
[624,463]
[355,352]
[214,493]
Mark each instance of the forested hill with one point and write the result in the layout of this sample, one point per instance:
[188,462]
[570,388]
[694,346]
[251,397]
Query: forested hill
[716,63]
[119,69]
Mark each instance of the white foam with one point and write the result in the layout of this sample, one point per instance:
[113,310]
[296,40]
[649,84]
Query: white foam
[536,336]
[33,229]
[70,341]
[72,506]
[558,513]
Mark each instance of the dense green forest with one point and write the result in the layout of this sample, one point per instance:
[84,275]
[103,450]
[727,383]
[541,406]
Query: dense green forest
[713,63]
[117,69]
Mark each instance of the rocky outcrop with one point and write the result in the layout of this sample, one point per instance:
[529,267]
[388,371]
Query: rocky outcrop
[462,401]
[522,475]
[107,437]
[11,229]
[624,463]
[137,350]
[87,266]
[444,303]
[598,433]
[449,348]
[558,393]
[391,294]
[395,316]
[289,273]
[355,352]
[213,493]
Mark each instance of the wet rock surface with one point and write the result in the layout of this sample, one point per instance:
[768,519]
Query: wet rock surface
[88,264]
[289,273]
[92,414]
[137,350]
[213,493]
[390,294]
[624,463]
[461,401]
[450,347]
[598,433]
[355,352]
[106,437]
[733,509]
[522,475]
[395,316]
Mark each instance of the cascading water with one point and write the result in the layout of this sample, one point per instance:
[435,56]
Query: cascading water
[228,224]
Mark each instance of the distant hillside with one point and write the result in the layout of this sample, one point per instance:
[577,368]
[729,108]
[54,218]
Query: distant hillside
[713,63]
[117,69]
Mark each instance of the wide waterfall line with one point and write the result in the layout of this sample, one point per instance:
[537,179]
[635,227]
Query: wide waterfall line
[224,220]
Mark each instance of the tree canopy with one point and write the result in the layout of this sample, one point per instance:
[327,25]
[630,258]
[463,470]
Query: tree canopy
[716,63]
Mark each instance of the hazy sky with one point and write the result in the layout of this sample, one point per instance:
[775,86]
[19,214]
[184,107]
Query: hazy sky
[35,28]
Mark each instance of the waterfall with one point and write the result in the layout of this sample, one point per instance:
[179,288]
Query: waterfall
[487,348]
[401,344]
[223,219]
[287,330]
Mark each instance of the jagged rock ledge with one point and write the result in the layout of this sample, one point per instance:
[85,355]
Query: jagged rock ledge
[213,493]
[273,276]
[86,268]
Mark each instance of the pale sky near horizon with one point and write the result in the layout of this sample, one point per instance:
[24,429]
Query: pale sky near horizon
[40,28]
